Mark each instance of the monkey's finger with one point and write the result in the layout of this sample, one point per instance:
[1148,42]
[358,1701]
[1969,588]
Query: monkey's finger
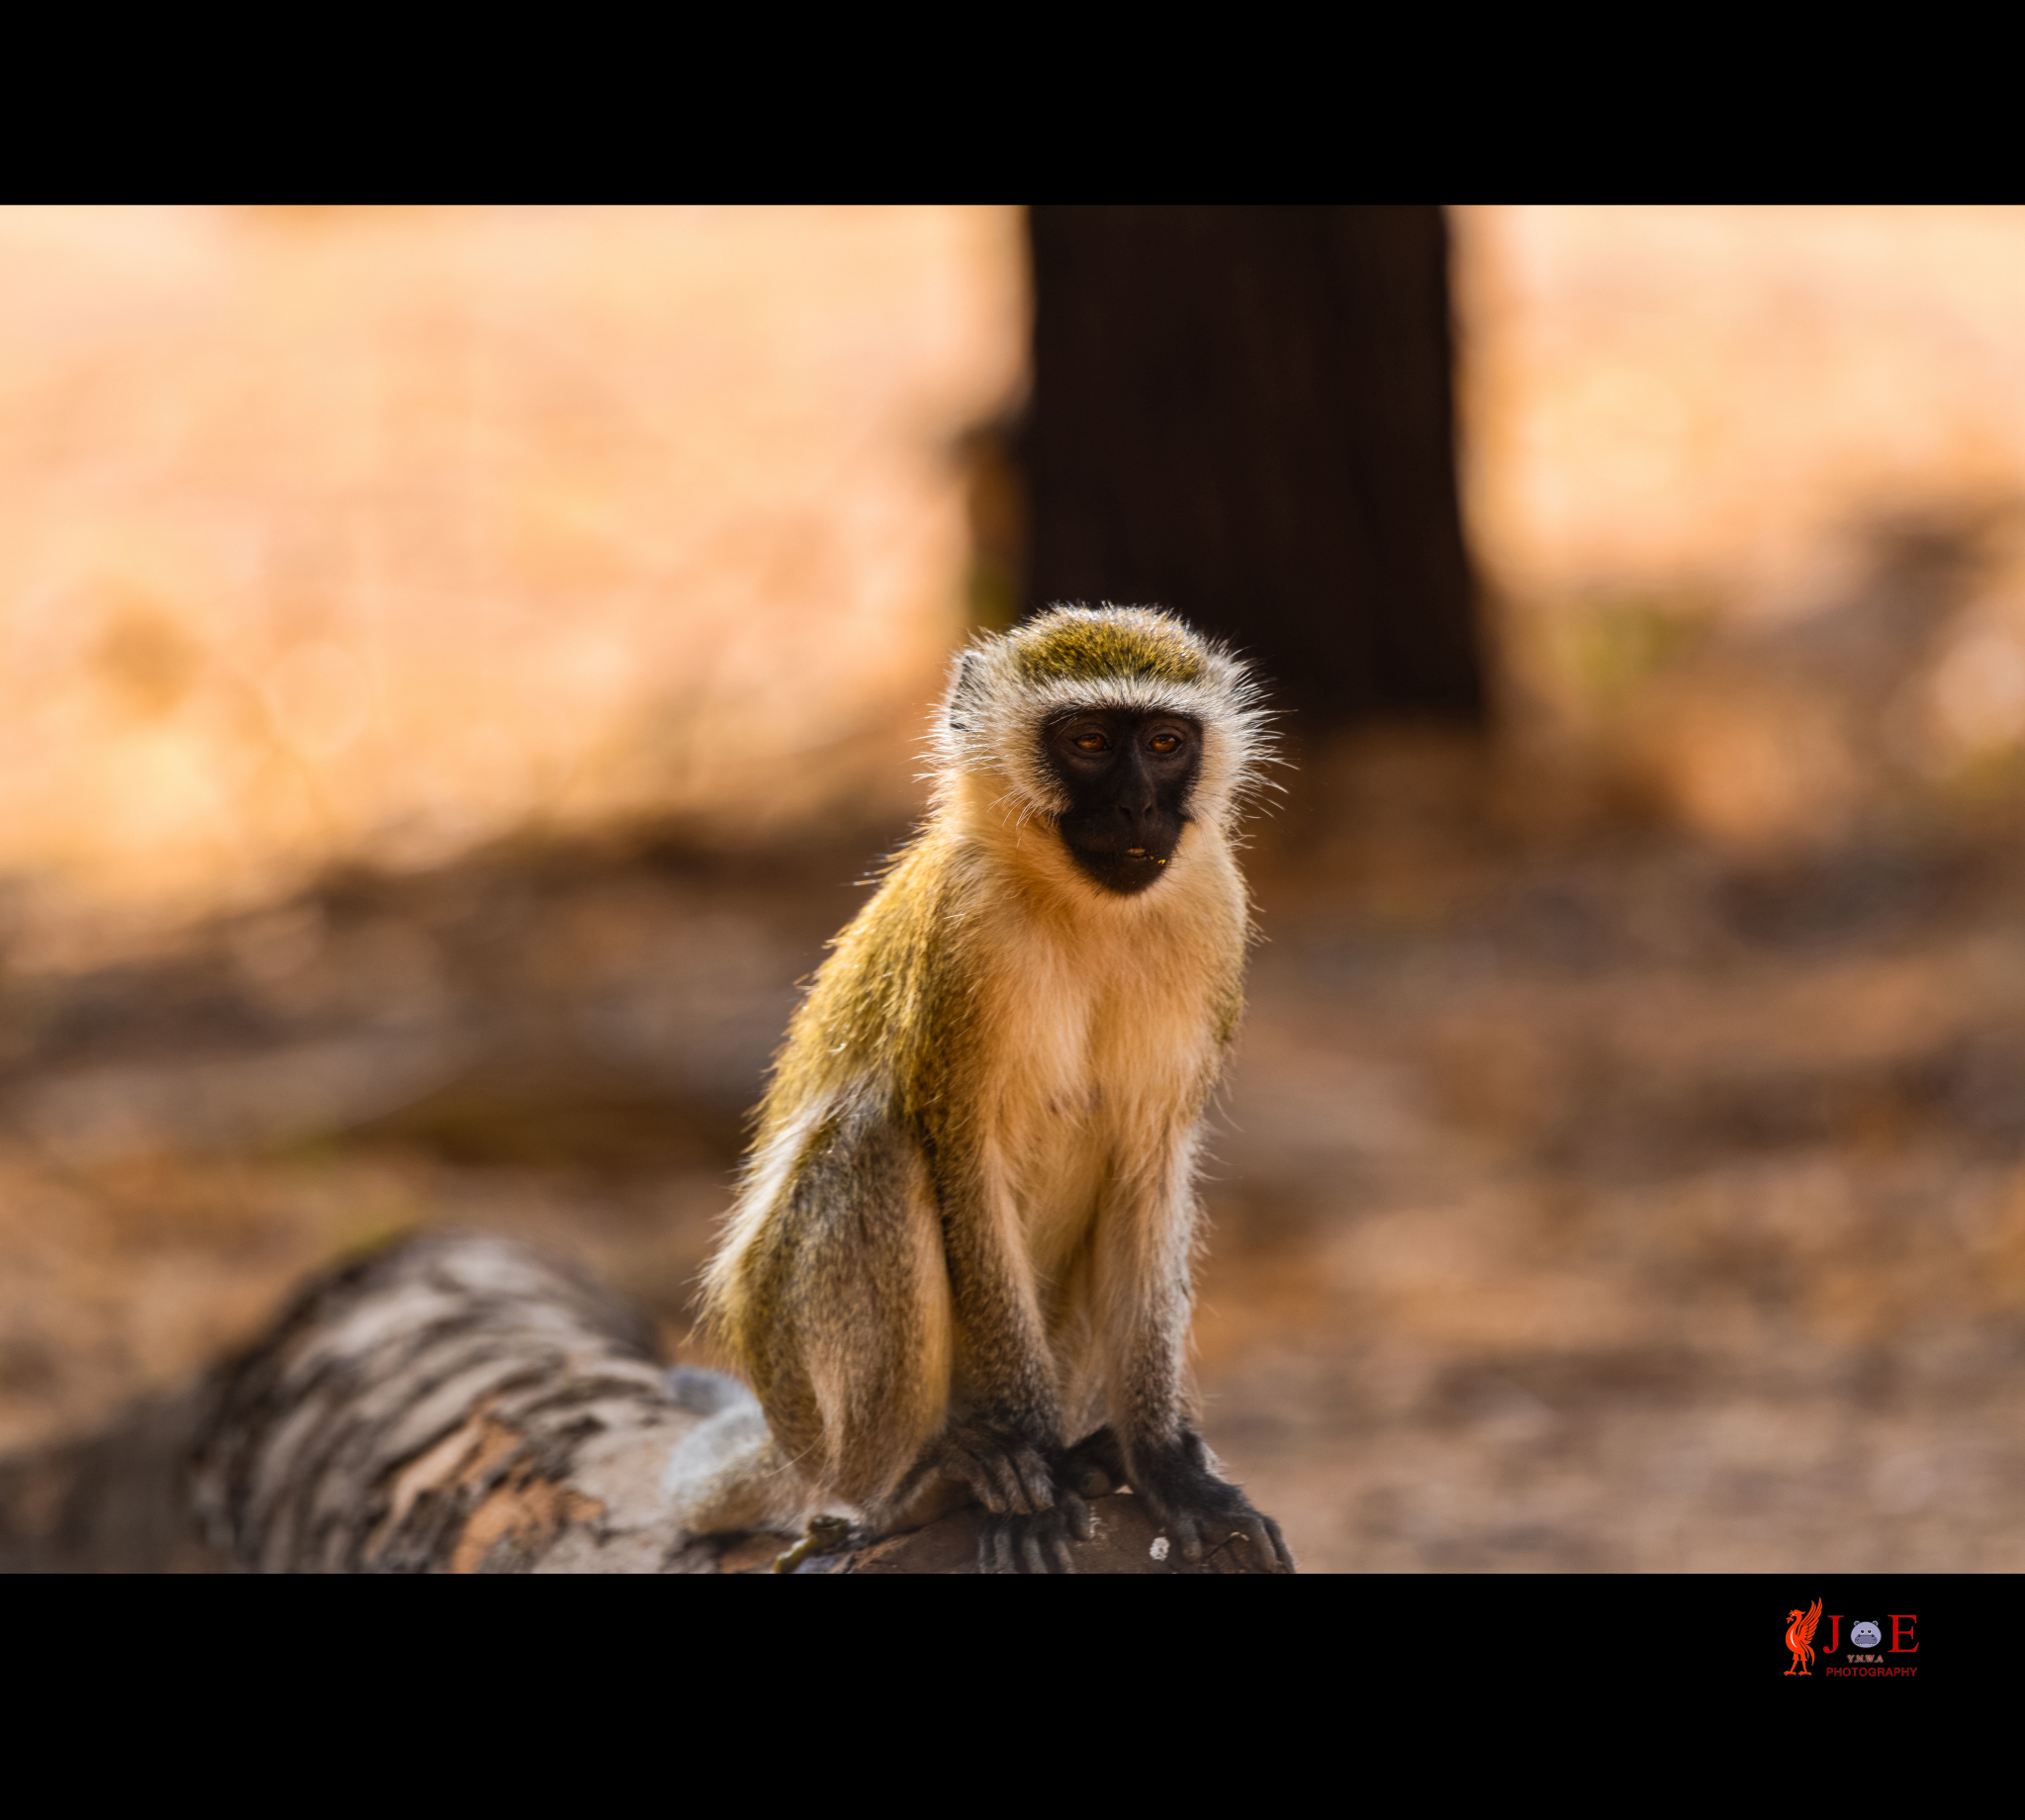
[1035,1481]
[1279,1546]
[1005,1478]
[1032,1540]
[1187,1537]
[979,1474]
[987,1473]
[1065,1555]
[1251,1531]
[994,1548]
[1079,1519]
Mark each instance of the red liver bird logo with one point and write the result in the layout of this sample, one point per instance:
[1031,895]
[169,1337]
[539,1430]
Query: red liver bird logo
[1799,1638]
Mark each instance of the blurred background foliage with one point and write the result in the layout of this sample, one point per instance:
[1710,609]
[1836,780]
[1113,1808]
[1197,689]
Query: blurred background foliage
[457,668]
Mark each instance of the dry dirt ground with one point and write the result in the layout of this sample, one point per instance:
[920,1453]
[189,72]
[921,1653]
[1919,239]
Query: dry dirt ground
[1613,1208]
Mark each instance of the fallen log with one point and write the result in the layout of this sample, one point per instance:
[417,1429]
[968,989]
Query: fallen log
[459,1404]
[113,1500]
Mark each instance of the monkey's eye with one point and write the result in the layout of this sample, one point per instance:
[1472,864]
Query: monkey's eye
[1091,741]
[1164,743]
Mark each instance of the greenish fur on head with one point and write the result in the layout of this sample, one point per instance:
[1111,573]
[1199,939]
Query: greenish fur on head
[1075,647]
[1004,690]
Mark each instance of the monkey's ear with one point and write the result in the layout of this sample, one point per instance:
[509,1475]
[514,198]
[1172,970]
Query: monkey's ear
[963,696]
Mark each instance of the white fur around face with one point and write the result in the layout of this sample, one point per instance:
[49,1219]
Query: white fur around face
[992,716]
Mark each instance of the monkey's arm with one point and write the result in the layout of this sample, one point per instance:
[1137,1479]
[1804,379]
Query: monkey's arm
[1144,1240]
[1004,1439]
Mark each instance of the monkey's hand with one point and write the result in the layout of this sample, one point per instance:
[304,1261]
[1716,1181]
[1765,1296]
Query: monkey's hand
[1027,1486]
[1041,1544]
[1008,1473]
[1198,1509]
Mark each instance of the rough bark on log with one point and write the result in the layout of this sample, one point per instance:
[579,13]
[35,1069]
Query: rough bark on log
[455,1403]
[460,1405]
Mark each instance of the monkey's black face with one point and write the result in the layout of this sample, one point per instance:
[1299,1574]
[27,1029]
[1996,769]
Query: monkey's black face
[1129,776]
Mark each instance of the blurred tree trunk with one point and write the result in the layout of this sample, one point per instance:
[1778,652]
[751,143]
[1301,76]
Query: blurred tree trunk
[1246,415]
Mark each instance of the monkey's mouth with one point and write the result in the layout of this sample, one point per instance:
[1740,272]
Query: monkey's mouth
[1116,867]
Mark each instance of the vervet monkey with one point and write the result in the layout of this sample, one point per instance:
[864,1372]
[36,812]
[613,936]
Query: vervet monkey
[960,1258]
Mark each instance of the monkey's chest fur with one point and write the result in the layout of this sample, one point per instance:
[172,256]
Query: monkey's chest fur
[1103,1046]
[1094,1077]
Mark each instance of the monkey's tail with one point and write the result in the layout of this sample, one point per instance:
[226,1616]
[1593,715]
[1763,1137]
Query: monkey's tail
[729,1473]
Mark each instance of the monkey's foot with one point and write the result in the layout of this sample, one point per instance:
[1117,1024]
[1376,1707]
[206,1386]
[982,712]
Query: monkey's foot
[1201,1510]
[1095,1465]
[1011,1544]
